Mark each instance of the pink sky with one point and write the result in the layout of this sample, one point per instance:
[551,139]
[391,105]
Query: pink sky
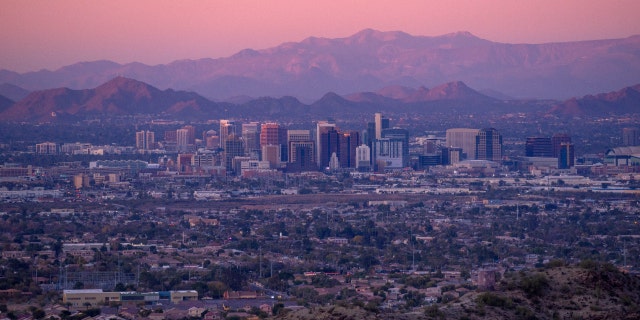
[51,34]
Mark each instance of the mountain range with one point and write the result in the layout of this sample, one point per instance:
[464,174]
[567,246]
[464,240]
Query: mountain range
[123,96]
[369,60]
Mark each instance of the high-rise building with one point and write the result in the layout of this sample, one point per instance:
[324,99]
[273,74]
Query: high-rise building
[329,144]
[323,155]
[630,136]
[347,144]
[269,134]
[182,140]
[538,147]
[233,147]
[251,137]
[566,157]
[299,138]
[381,123]
[228,128]
[489,145]
[464,138]
[557,140]
[402,135]
[191,134]
[274,134]
[145,140]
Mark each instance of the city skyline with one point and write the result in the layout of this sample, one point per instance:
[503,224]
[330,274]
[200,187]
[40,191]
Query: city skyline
[66,32]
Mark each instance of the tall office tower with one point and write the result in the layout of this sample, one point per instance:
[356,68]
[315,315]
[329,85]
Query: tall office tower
[269,134]
[297,138]
[557,140]
[228,128]
[191,134]
[369,134]
[381,123]
[388,154]
[322,127]
[630,137]
[400,135]
[347,144]
[233,147]
[182,140]
[489,145]
[251,137]
[141,143]
[274,134]
[363,158]
[566,158]
[329,144]
[464,138]
[538,147]
[145,140]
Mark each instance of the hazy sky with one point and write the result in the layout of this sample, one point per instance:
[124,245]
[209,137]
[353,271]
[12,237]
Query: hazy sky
[51,34]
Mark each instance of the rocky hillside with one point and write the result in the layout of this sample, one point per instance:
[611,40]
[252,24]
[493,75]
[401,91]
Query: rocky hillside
[588,291]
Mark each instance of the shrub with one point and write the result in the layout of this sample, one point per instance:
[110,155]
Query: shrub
[494,300]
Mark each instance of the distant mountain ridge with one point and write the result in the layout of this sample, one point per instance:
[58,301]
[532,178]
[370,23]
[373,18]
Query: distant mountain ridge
[122,96]
[625,100]
[118,96]
[371,59]
[13,92]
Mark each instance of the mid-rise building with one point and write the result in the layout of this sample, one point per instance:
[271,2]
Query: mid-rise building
[538,147]
[464,138]
[47,148]
[145,140]
[566,158]
[271,154]
[557,140]
[630,136]
[402,135]
[296,139]
[388,154]
[363,158]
